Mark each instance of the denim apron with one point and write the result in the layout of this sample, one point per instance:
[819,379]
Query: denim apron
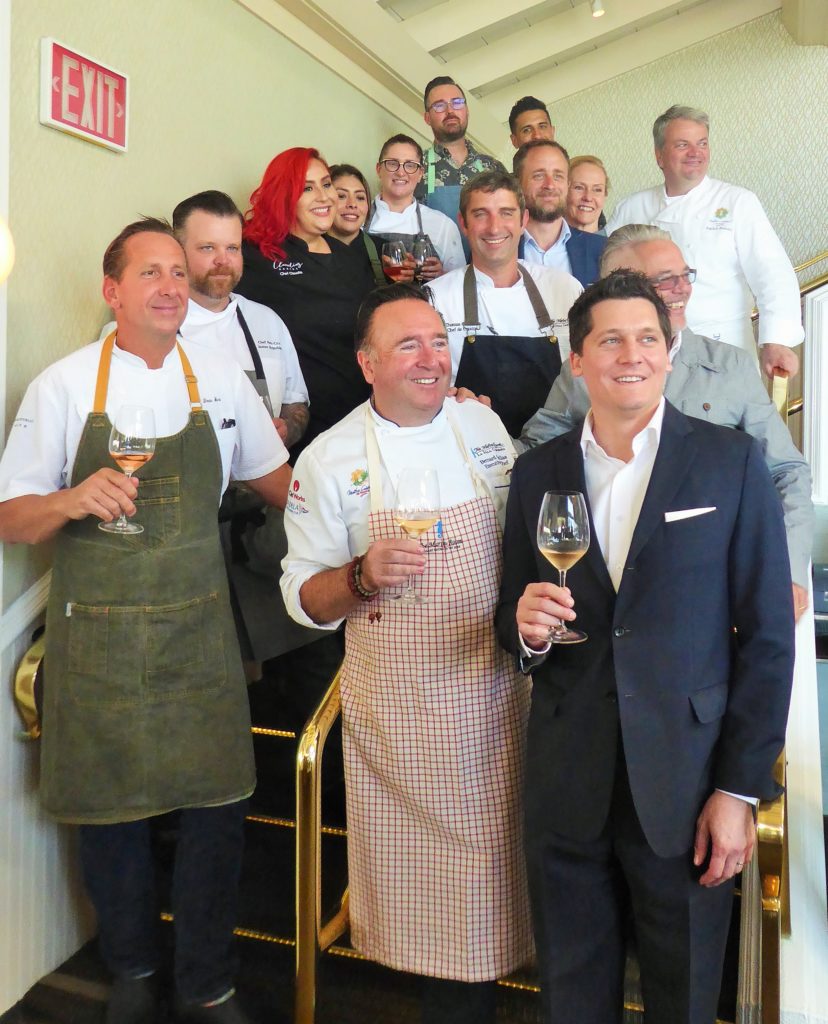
[445,198]
[515,372]
[146,707]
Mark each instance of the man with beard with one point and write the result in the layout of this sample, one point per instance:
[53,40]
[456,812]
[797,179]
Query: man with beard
[209,227]
[452,160]
[542,168]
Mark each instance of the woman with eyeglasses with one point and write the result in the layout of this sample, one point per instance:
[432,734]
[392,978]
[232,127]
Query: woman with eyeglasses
[314,281]
[353,203]
[396,216]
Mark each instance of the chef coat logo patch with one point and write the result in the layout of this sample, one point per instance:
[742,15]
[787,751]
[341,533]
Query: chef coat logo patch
[721,220]
[721,213]
[490,455]
[359,484]
[296,502]
[288,268]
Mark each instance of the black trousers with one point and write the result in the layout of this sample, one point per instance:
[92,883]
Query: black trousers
[584,895]
[119,871]
[458,1002]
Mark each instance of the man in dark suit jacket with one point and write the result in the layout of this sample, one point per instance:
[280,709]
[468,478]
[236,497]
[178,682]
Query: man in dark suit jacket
[542,168]
[650,741]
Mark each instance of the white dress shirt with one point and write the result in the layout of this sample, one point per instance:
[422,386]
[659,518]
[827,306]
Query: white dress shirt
[555,256]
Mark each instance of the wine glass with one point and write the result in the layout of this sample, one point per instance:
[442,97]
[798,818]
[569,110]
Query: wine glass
[131,444]
[416,510]
[563,538]
[393,259]
[420,250]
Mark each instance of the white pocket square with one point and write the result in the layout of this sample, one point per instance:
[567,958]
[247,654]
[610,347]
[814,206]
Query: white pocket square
[687,513]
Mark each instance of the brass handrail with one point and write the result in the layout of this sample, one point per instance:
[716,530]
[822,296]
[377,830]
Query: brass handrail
[810,263]
[772,859]
[312,936]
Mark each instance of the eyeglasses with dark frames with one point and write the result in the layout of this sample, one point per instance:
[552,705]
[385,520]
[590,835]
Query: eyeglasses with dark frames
[441,106]
[409,166]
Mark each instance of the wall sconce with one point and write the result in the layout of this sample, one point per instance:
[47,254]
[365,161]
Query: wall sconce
[6,251]
[597,8]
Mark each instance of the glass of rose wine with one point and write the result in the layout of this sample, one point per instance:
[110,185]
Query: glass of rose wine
[131,444]
[416,510]
[563,539]
[393,259]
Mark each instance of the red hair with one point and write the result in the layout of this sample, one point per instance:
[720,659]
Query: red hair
[273,204]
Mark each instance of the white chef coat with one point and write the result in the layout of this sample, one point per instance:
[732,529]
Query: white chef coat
[329,502]
[555,256]
[505,311]
[443,232]
[221,332]
[44,438]
[726,237]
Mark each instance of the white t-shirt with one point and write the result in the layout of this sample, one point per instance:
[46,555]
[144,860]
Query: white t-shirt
[443,232]
[222,333]
[329,502]
[505,311]
[44,438]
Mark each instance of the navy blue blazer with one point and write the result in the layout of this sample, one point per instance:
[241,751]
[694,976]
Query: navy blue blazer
[697,706]
[584,252]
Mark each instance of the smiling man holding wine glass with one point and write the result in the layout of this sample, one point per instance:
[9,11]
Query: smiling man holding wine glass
[651,739]
[412,484]
[145,677]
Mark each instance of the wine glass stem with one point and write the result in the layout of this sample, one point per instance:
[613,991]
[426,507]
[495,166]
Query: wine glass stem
[122,519]
[562,627]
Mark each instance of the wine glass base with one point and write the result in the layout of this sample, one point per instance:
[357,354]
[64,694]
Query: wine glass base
[410,597]
[122,528]
[568,636]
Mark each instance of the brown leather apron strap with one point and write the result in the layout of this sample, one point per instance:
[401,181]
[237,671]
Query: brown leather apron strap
[102,382]
[471,315]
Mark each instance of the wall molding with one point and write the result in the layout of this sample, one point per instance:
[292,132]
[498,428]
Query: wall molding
[815,387]
[20,615]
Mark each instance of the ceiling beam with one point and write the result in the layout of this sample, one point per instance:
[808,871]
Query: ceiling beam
[574,28]
[623,55]
[807,21]
[378,57]
[435,28]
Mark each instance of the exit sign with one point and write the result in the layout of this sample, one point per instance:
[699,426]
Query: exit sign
[81,96]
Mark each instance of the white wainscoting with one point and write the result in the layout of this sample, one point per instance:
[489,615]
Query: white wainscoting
[45,917]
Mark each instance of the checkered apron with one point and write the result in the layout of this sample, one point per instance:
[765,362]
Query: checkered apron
[434,718]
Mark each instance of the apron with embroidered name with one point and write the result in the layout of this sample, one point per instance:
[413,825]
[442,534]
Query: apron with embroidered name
[434,717]
[254,543]
[146,707]
[515,372]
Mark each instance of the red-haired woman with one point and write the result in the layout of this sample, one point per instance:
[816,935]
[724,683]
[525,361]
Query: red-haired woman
[311,279]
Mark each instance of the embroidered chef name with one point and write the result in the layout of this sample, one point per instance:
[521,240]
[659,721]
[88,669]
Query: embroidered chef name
[491,454]
[269,346]
[444,542]
[22,422]
[288,268]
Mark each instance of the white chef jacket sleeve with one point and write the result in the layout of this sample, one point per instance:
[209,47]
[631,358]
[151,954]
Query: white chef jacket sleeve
[295,389]
[452,247]
[768,272]
[35,460]
[620,216]
[317,533]
[258,448]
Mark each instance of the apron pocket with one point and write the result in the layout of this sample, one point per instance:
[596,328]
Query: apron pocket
[159,510]
[128,656]
[185,650]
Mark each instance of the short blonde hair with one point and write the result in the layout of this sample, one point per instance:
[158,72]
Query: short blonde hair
[576,161]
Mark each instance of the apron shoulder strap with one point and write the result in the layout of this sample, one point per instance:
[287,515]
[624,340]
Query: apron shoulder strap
[538,305]
[191,380]
[471,315]
[102,382]
[431,175]
[251,345]
[374,258]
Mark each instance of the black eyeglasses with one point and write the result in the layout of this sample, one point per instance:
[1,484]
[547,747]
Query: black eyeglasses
[409,166]
[441,106]
[669,281]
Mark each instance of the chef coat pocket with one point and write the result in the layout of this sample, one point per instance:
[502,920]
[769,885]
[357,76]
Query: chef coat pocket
[159,510]
[122,657]
[710,703]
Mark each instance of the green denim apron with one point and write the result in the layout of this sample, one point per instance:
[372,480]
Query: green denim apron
[146,707]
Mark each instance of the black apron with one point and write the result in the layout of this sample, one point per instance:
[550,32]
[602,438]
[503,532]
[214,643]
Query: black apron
[254,543]
[515,372]
[400,236]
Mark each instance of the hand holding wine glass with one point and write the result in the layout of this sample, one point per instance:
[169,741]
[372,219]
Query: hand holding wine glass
[416,510]
[563,539]
[420,250]
[393,260]
[131,445]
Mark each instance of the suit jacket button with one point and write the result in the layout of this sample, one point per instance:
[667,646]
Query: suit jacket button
[612,698]
[619,631]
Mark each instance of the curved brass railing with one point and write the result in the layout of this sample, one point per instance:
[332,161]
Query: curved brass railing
[772,857]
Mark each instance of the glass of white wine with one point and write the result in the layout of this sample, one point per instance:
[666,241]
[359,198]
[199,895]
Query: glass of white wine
[416,510]
[563,538]
[420,250]
[131,444]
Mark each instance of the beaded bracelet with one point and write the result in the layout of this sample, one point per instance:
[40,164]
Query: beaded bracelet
[355,584]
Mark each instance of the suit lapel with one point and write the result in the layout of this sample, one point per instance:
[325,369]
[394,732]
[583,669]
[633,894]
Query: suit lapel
[575,254]
[676,451]
[570,467]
